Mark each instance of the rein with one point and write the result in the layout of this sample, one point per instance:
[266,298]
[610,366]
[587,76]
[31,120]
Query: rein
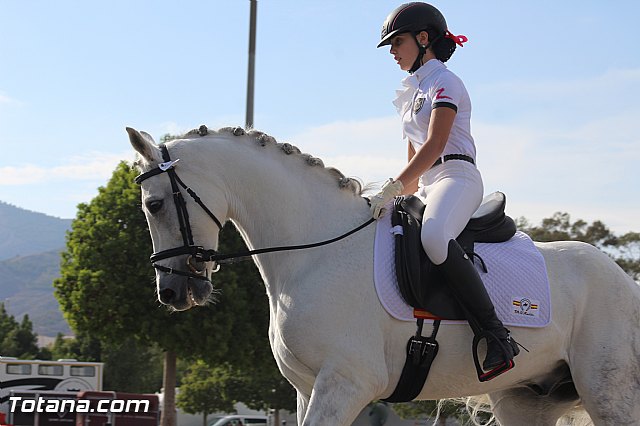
[199,253]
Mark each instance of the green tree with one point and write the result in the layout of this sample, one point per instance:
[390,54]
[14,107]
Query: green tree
[628,254]
[206,390]
[560,228]
[106,291]
[81,347]
[130,366]
[264,388]
[7,324]
[18,339]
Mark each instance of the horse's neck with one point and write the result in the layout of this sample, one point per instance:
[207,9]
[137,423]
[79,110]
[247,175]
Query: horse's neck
[277,206]
[276,200]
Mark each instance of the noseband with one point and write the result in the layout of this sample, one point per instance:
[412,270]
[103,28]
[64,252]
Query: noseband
[199,253]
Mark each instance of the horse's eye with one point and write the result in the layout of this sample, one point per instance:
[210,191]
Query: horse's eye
[154,206]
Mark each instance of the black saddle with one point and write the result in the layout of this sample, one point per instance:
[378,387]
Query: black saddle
[420,283]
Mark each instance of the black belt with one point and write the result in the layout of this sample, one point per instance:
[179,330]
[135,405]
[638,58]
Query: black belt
[454,157]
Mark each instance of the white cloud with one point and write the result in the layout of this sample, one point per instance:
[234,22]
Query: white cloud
[22,175]
[8,100]
[96,167]
[371,150]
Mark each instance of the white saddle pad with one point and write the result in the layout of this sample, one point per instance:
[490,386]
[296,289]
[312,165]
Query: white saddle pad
[516,280]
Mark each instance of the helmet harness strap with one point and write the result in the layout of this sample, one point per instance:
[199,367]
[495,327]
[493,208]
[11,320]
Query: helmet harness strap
[422,49]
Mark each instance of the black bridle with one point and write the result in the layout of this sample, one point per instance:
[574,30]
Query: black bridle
[198,253]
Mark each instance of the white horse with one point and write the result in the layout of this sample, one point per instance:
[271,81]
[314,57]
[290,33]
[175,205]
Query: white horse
[331,337]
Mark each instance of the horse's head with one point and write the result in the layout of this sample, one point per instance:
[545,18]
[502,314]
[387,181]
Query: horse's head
[182,237]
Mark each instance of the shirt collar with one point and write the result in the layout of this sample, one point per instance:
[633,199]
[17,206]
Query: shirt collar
[431,66]
[411,83]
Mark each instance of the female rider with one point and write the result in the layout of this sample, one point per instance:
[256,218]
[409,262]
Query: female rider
[436,110]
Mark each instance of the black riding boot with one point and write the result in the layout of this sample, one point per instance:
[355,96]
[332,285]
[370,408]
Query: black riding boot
[469,289]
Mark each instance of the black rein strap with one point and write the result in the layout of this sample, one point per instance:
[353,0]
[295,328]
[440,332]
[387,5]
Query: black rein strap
[238,257]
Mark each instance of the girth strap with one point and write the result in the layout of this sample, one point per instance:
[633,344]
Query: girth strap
[421,351]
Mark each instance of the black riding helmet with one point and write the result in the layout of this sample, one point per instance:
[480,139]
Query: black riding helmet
[412,18]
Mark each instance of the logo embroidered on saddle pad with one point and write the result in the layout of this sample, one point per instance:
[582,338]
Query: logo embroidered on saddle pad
[525,306]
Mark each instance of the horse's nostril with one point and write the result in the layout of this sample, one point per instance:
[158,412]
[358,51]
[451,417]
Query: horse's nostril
[167,296]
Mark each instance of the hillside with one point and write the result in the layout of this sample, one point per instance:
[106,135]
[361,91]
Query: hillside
[30,246]
[23,232]
[26,287]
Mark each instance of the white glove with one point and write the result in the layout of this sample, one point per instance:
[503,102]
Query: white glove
[390,190]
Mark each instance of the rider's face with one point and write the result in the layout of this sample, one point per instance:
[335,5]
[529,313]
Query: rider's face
[404,50]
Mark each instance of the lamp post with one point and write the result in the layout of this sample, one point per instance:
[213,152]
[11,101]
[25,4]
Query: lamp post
[252,64]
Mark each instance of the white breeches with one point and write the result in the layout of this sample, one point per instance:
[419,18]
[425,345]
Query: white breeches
[452,192]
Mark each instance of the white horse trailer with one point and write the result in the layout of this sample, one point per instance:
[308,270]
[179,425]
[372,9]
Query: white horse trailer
[64,375]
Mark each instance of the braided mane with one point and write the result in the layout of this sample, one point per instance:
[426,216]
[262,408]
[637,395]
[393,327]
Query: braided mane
[265,140]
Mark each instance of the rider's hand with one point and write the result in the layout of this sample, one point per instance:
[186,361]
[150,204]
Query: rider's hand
[390,190]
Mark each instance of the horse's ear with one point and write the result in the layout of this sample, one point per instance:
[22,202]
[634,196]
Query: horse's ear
[144,145]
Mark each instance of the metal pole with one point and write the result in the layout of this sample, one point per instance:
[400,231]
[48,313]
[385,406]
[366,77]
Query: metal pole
[252,64]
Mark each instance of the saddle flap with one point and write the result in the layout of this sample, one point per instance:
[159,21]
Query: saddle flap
[419,283]
[408,259]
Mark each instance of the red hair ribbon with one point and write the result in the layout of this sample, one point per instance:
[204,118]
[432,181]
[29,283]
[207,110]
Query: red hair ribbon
[458,39]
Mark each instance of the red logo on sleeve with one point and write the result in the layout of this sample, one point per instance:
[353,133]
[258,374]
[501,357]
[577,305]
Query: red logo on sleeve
[439,94]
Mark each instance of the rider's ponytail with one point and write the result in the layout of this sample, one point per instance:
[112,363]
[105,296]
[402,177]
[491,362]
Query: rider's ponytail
[442,47]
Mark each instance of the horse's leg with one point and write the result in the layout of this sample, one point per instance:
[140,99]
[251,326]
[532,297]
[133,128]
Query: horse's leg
[335,400]
[521,406]
[605,348]
[302,403]
[607,376]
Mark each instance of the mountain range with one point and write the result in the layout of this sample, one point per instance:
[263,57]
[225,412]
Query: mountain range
[30,247]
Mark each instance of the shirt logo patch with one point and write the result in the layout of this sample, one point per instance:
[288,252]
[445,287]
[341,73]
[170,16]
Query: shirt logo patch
[417,105]
[439,94]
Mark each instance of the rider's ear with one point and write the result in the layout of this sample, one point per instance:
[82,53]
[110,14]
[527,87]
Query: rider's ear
[422,38]
[144,145]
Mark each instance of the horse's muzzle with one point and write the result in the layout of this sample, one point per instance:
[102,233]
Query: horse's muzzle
[183,293]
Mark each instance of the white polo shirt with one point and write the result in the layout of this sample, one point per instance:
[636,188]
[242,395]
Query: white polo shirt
[434,86]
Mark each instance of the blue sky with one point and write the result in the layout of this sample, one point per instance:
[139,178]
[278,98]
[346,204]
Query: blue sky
[554,85]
